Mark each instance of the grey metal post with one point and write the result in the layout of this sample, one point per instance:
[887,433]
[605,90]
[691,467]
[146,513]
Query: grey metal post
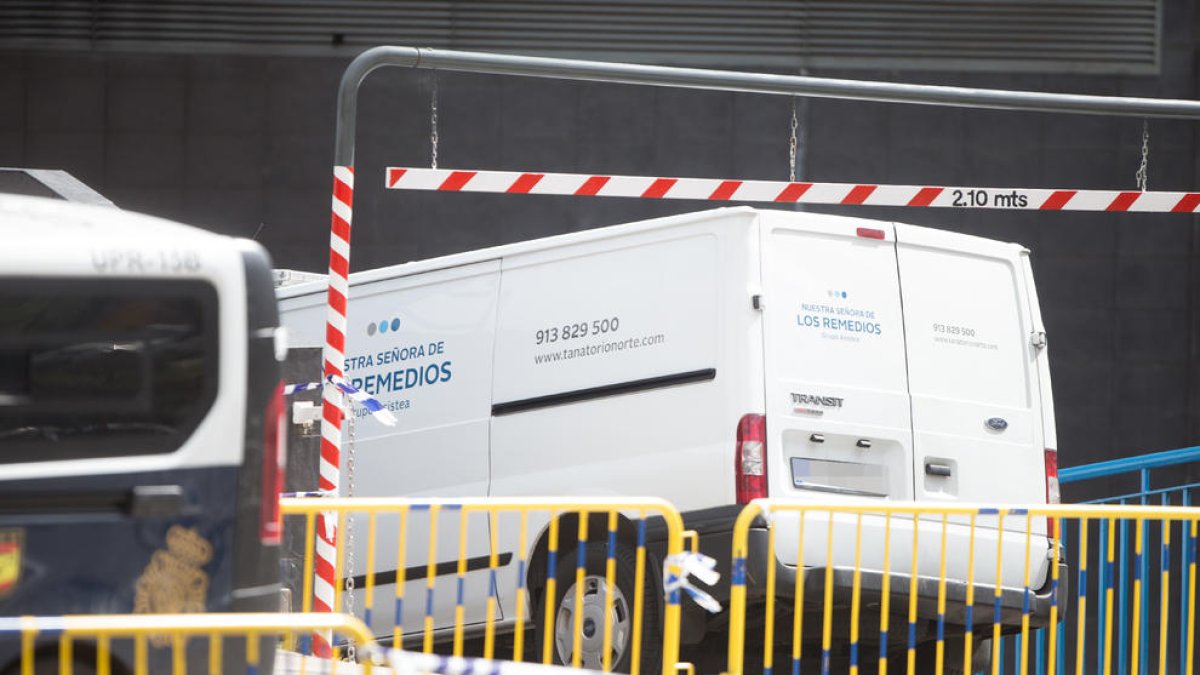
[724,80]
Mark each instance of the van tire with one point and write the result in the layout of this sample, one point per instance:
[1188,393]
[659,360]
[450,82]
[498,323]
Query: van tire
[621,620]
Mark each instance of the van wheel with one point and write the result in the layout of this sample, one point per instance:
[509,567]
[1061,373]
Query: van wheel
[591,616]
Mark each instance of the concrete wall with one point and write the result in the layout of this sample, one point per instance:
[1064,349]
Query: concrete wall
[242,145]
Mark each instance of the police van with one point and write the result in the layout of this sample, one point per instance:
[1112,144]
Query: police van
[141,428]
[710,359]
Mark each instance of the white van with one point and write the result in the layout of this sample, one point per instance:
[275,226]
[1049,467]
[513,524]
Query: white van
[709,359]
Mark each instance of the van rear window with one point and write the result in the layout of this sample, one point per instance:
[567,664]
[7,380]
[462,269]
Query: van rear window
[104,367]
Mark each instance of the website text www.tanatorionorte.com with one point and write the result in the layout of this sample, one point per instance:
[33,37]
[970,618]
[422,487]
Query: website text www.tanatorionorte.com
[597,348]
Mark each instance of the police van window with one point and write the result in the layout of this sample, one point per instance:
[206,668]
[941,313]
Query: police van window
[104,367]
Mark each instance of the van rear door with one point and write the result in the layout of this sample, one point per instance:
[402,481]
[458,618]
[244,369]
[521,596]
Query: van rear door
[976,405]
[837,392]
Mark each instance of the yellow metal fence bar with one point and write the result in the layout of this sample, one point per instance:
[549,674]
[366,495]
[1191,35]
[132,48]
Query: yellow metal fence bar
[430,579]
[639,594]
[885,592]
[737,586]
[855,596]
[610,575]
[1191,627]
[177,628]
[912,595]
[1053,663]
[769,611]
[798,606]
[103,656]
[580,572]
[489,636]
[551,591]
[401,571]
[939,668]
[1138,552]
[214,654]
[459,610]
[997,595]
[1108,595]
[827,620]
[969,637]
[1164,598]
[1081,612]
[369,601]
[1025,594]
[522,593]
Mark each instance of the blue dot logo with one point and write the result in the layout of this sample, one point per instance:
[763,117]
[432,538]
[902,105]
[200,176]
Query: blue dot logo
[384,326]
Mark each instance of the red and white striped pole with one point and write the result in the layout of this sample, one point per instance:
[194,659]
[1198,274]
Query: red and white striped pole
[334,356]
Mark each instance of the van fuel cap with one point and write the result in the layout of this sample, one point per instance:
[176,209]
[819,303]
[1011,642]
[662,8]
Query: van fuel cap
[996,423]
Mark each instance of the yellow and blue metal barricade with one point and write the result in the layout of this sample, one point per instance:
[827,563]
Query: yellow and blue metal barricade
[1161,479]
[190,643]
[1014,563]
[525,568]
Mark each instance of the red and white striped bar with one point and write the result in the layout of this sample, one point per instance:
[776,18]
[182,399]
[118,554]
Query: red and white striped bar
[338,296]
[784,192]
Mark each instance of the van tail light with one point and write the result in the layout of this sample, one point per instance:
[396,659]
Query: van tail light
[274,471]
[750,458]
[1053,495]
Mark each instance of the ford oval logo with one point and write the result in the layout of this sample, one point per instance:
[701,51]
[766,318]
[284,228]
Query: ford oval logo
[996,423]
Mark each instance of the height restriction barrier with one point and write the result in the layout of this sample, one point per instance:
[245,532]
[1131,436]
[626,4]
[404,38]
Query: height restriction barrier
[850,586]
[789,192]
[180,644]
[435,574]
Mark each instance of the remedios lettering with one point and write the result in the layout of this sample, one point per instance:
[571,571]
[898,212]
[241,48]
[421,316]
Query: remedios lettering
[835,323]
[405,378]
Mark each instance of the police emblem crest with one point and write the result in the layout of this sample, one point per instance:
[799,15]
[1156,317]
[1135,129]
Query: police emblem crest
[11,543]
[174,581]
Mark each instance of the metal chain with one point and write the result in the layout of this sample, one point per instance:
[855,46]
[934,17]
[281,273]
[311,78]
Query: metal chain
[349,571]
[792,144]
[1141,176]
[433,123]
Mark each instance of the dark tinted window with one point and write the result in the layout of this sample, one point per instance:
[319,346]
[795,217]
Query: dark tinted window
[104,367]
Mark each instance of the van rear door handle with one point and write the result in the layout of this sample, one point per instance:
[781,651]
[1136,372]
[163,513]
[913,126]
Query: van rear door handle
[155,501]
[935,469]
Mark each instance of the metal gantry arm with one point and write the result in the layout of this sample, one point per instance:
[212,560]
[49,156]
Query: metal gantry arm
[727,80]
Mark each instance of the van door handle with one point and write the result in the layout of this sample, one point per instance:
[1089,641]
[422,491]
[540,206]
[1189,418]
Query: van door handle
[935,469]
[155,501]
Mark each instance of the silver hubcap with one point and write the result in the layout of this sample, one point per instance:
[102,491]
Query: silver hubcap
[592,624]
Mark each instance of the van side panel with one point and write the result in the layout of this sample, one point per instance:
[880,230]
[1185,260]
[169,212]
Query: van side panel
[649,406]
[421,345]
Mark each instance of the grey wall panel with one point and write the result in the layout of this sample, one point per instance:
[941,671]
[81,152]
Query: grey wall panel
[242,144]
[1095,36]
